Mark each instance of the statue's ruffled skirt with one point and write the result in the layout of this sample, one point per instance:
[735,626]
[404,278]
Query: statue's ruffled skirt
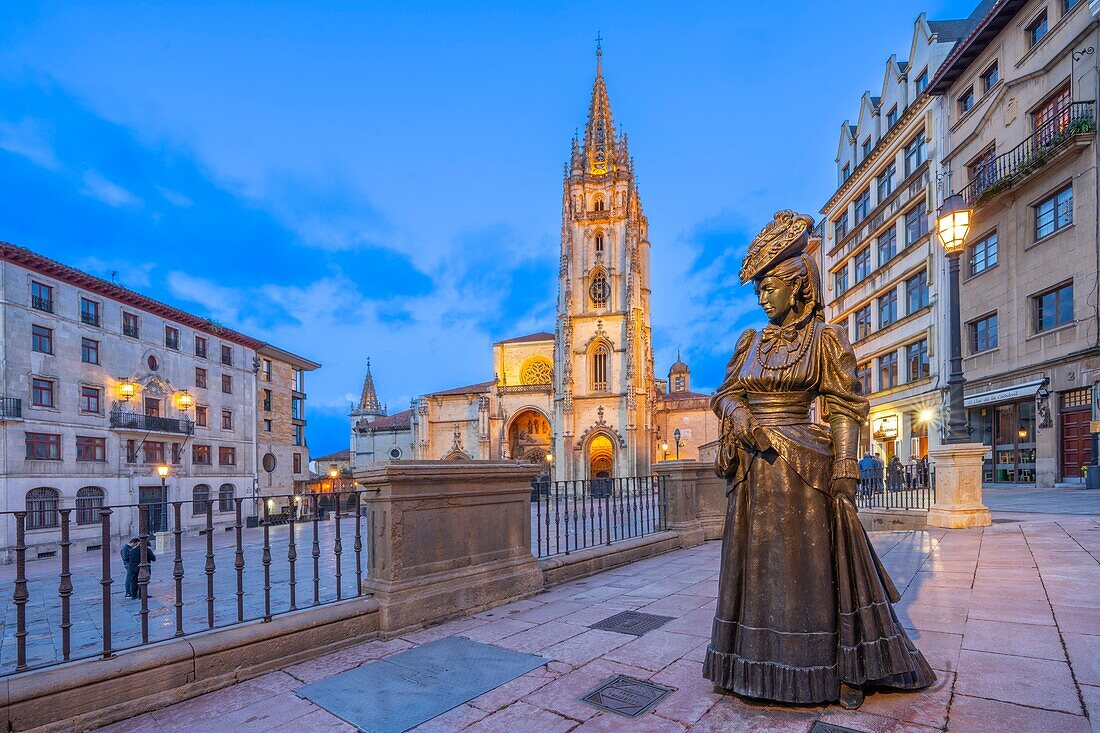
[783,631]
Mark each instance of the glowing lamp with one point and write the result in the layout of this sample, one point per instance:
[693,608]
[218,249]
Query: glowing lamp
[184,400]
[664,446]
[925,415]
[333,472]
[163,470]
[271,505]
[126,390]
[549,457]
[953,223]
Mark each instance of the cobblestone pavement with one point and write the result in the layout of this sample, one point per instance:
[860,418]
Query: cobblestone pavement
[1010,502]
[1009,617]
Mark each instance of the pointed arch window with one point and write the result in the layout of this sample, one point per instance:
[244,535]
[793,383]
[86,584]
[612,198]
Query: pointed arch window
[600,290]
[601,357]
[599,203]
[599,244]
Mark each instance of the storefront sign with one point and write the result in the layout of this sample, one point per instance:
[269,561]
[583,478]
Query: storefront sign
[885,428]
[1003,395]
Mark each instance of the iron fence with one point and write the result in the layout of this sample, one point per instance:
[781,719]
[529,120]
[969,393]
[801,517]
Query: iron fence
[575,515]
[897,487]
[213,582]
[140,422]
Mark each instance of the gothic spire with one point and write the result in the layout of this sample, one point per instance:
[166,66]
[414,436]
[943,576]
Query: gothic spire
[599,134]
[368,401]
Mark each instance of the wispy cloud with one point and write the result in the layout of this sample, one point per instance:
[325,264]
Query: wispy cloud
[128,274]
[110,193]
[175,197]
[28,139]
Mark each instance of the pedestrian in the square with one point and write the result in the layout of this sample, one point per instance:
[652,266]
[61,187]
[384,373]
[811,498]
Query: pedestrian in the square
[131,559]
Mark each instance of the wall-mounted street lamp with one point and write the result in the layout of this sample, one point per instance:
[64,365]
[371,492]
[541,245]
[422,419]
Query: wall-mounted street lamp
[952,226]
[126,389]
[664,447]
[184,400]
[549,458]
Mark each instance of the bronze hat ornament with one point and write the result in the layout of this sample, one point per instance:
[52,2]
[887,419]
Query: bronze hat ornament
[787,235]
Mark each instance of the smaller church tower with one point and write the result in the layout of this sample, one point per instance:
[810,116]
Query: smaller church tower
[369,408]
[679,376]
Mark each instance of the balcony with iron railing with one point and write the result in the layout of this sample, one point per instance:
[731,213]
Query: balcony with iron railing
[89,318]
[124,420]
[1072,127]
[42,304]
[11,408]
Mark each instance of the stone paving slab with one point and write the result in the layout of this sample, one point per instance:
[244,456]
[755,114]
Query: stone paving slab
[1008,616]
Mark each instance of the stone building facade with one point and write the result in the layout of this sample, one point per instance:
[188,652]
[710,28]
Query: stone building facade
[881,262]
[377,436]
[99,385]
[1018,99]
[281,450]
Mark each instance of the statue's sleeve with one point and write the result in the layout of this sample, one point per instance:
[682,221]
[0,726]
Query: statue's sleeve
[845,406]
[732,392]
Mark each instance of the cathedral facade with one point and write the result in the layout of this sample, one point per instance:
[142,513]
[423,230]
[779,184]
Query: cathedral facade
[584,400]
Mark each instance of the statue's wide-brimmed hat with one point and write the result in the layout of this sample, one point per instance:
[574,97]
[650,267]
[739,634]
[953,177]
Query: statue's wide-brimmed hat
[786,236]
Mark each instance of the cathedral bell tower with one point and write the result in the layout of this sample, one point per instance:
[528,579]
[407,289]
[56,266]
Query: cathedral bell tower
[604,385]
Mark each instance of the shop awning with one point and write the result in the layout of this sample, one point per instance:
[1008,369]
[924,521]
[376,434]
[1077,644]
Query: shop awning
[1004,394]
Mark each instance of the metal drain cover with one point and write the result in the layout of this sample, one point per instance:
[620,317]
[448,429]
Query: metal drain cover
[820,727]
[627,696]
[631,622]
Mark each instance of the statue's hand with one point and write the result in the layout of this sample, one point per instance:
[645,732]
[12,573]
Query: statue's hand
[746,429]
[846,487]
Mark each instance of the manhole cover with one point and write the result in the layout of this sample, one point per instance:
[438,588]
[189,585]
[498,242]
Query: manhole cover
[631,622]
[820,727]
[627,696]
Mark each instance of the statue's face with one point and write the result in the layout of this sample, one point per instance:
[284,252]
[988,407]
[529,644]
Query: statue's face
[776,297]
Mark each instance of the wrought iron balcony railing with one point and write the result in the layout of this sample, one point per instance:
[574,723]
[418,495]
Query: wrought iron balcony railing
[42,304]
[1077,120]
[89,317]
[11,407]
[145,423]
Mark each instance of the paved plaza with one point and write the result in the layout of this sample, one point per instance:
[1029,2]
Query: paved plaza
[1008,616]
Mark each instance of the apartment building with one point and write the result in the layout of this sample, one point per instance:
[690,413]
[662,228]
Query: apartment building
[100,385]
[281,450]
[881,264]
[1018,99]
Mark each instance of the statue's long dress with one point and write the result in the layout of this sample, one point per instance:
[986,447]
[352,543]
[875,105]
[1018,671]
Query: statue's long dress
[803,601]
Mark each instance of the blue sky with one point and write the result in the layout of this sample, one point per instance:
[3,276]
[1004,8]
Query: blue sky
[384,179]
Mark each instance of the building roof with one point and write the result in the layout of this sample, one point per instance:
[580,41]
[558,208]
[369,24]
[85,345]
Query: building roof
[678,366]
[288,357]
[983,25]
[683,396]
[340,455]
[397,421]
[478,388]
[540,336]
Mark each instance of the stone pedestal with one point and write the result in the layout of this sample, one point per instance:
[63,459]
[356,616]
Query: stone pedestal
[447,538]
[959,486]
[712,501]
[681,491]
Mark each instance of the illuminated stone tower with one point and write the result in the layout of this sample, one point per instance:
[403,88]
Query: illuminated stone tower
[604,386]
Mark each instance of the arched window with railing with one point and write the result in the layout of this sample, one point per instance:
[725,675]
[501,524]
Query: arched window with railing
[89,502]
[600,289]
[601,358]
[225,497]
[200,495]
[42,504]
[598,204]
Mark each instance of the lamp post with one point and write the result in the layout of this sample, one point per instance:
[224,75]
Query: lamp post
[952,226]
[676,437]
[163,470]
[664,447]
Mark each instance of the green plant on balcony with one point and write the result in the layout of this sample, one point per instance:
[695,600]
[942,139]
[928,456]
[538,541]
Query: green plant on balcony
[1081,125]
[995,187]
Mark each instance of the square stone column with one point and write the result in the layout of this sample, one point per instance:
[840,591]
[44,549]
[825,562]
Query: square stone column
[447,538]
[681,480]
[959,486]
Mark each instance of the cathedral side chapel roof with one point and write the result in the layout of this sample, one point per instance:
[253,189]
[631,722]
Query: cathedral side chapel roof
[398,420]
[540,336]
[469,389]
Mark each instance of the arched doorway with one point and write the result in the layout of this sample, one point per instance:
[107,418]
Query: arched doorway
[529,436]
[601,457]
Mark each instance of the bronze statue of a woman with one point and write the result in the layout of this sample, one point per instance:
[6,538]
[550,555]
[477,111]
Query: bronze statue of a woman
[805,610]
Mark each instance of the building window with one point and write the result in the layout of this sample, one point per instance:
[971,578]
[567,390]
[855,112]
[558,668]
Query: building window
[845,172]
[1068,5]
[267,426]
[43,446]
[89,351]
[983,334]
[840,227]
[599,290]
[916,292]
[1054,213]
[299,435]
[863,205]
[1053,116]
[863,322]
[227,355]
[89,503]
[41,296]
[131,325]
[922,81]
[866,148]
[840,280]
[1037,29]
[917,365]
[983,254]
[892,117]
[90,399]
[267,400]
[200,454]
[1053,308]
[200,347]
[152,451]
[966,101]
[152,406]
[227,419]
[225,498]
[227,455]
[990,77]
[200,378]
[885,182]
[177,454]
[600,358]
[298,380]
[89,448]
[89,312]
[887,245]
[200,499]
[172,338]
[915,153]
[863,264]
[297,461]
[916,224]
[888,370]
[599,244]
[42,504]
[41,339]
[296,410]
[887,308]
[863,376]
[227,383]
[42,392]
[266,371]
[202,415]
